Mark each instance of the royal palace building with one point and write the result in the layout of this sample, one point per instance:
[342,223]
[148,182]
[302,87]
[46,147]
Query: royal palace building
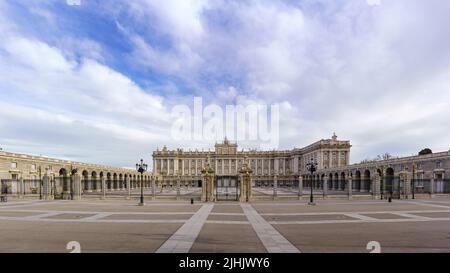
[276,173]
[29,175]
[231,173]
[227,159]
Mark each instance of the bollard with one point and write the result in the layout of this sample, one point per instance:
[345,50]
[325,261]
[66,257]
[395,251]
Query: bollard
[390,199]
[192,201]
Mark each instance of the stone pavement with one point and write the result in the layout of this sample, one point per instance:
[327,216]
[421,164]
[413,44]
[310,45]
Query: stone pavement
[265,226]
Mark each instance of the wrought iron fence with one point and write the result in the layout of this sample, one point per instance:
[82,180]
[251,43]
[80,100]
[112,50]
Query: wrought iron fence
[21,187]
[421,186]
[442,186]
[361,186]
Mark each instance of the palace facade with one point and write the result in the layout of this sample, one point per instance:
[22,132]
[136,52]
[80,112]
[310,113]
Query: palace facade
[288,169]
[28,175]
[227,159]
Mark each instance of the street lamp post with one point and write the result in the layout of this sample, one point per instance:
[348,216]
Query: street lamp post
[141,168]
[311,167]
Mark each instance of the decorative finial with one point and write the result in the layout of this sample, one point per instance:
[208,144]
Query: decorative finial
[334,136]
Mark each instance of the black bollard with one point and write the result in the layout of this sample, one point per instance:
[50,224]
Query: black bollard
[192,201]
[390,199]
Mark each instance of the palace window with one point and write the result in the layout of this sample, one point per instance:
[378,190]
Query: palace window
[13,165]
[438,164]
[33,167]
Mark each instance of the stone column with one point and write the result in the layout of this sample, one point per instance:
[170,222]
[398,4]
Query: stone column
[21,190]
[300,187]
[182,166]
[88,180]
[212,192]
[432,185]
[249,188]
[46,187]
[153,188]
[325,186]
[244,187]
[103,182]
[275,186]
[350,187]
[204,191]
[207,188]
[175,165]
[99,184]
[178,188]
[128,183]
[376,183]
[76,183]
[407,184]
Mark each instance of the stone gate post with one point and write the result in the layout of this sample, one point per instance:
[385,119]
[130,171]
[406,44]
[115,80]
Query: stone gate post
[376,186]
[76,182]
[208,184]
[21,190]
[350,187]
[432,190]
[153,188]
[46,187]
[300,187]
[103,181]
[128,185]
[275,187]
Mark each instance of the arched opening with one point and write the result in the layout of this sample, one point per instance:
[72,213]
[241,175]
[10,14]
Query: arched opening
[85,180]
[121,182]
[366,181]
[115,183]
[336,181]
[330,181]
[125,178]
[94,180]
[108,181]
[357,181]
[389,181]
[101,177]
[343,181]
[63,179]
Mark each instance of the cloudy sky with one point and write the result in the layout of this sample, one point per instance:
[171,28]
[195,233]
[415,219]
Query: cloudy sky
[96,82]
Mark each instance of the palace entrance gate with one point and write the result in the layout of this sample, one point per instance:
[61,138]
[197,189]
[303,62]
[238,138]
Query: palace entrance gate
[227,188]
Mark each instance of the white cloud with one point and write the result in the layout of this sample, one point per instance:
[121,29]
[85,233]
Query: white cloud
[375,74]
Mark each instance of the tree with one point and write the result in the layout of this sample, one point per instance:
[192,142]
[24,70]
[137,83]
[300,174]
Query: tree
[426,151]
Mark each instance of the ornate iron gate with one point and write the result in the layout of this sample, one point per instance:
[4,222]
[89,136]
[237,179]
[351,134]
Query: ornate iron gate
[392,186]
[227,188]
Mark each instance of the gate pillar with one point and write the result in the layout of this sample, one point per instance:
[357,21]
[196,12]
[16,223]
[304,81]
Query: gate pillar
[376,186]
[408,185]
[245,185]
[275,187]
[46,187]
[300,187]
[350,187]
[76,180]
[208,184]
[128,185]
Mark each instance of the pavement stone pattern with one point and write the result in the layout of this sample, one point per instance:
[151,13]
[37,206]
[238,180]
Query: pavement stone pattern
[420,225]
[181,241]
[270,237]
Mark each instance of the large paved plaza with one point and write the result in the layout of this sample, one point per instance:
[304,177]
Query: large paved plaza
[271,226]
